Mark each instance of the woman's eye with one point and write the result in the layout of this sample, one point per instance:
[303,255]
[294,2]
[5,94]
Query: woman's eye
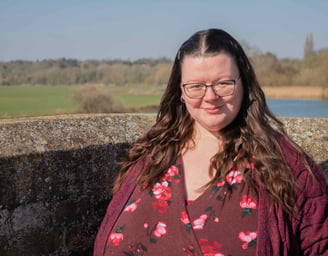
[225,83]
[196,86]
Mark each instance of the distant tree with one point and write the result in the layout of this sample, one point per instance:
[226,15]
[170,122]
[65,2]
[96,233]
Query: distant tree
[250,50]
[308,46]
[312,70]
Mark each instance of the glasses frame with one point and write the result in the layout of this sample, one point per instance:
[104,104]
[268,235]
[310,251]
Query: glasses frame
[211,85]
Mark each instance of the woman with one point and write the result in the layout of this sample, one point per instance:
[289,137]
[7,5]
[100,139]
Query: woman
[216,174]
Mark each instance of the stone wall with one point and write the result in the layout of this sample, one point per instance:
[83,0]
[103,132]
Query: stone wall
[55,176]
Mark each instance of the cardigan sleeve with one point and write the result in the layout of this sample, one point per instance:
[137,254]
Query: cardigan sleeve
[313,213]
[311,224]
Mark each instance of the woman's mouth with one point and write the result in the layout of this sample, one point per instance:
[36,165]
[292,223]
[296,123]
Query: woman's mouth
[213,110]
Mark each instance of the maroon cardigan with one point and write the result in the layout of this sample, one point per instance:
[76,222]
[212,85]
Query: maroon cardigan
[278,234]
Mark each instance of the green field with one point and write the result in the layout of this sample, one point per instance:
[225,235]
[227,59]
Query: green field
[20,101]
[139,100]
[26,101]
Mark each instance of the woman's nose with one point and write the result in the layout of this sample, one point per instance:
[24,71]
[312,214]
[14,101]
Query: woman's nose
[210,94]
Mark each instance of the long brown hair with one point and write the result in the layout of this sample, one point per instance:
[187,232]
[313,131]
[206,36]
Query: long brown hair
[250,134]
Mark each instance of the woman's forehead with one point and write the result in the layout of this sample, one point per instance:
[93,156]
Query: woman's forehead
[218,65]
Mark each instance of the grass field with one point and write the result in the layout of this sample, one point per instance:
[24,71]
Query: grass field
[139,100]
[20,101]
[23,101]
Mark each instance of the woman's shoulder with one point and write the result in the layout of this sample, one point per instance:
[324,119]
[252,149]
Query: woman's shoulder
[294,155]
[291,154]
[305,170]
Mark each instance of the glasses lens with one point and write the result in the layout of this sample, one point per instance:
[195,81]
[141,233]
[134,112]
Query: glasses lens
[195,90]
[221,88]
[224,88]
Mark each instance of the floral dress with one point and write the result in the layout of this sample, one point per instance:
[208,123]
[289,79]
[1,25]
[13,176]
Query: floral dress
[160,221]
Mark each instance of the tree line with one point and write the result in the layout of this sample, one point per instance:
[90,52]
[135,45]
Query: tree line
[271,71]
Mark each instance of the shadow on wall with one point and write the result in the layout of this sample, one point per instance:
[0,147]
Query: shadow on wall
[53,203]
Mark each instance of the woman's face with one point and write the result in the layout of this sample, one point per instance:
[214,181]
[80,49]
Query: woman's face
[212,112]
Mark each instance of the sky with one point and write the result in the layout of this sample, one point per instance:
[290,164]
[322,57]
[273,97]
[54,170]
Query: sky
[133,29]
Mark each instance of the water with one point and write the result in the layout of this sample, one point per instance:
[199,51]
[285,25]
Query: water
[298,107]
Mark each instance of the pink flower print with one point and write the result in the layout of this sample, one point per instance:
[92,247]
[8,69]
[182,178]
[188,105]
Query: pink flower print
[209,248]
[145,225]
[190,247]
[184,218]
[234,177]
[251,164]
[218,186]
[220,183]
[199,223]
[162,191]
[190,250]
[216,220]
[131,207]
[115,239]
[172,172]
[161,229]
[161,205]
[141,189]
[248,202]
[249,238]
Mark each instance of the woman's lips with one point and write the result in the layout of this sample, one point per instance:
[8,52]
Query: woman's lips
[213,110]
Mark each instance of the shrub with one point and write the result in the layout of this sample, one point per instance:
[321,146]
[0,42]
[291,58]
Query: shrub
[96,99]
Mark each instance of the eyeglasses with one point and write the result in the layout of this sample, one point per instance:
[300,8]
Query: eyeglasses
[221,88]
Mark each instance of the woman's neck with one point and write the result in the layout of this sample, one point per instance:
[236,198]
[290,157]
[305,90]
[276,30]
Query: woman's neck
[205,141]
[197,159]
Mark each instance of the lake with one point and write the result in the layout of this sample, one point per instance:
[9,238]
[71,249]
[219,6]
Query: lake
[298,107]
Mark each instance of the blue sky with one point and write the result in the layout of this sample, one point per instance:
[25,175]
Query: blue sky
[132,29]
